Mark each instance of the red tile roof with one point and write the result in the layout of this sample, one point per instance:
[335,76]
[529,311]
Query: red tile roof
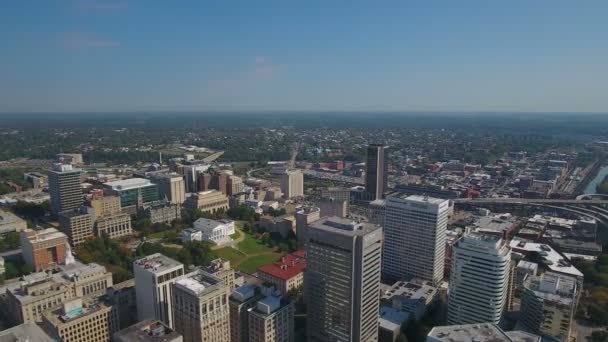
[287,267]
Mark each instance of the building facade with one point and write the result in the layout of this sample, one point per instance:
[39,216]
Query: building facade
[44,249]
[286,273]
[548,305]
[213,231]
[414,238]
[82,321]
[207,201]
[342,280]
[64,188]
[154,277]
[132,191]
[77,224]
[376,170]
[292,184]
[479,282]
[171,186]
[209,321]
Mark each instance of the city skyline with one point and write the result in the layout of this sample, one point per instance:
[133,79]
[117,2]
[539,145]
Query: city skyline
[135,56]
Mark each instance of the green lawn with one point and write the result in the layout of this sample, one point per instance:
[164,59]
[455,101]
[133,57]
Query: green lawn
[251,246]
[236,235]
[228,253]
[253,263]
[157,235]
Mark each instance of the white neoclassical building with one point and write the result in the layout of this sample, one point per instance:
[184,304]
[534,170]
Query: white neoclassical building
[214,231]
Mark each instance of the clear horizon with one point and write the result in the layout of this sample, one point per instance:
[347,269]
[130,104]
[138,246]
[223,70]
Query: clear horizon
[421,56]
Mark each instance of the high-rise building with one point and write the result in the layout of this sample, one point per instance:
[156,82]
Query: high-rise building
[77,224]
[172,186]
[260,314]
[122,295]
[292,184]
[548,305]
[479,281]
[210,322]
[272,318]
[414,238]
[342,279]
[64,188]
[154,277]
[376,170]
[44,249]
[148,331]
[235,185]
[88,320]
[304,217]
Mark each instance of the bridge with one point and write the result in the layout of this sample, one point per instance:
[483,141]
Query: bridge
[532,201]
[593,208]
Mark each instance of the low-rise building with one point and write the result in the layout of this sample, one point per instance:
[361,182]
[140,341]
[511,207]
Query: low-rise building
[27,302]
[413,297]
[287,273]
[122,297]
[81,320]
[481,332]
[114,226]
[207,201]
[217,232]
[77,224]
[161,211]
[36,179]
[548,305]
[148,331]
[10,222]
[44,249]
[28,332]
[283,225]
[333,207]
[190,235]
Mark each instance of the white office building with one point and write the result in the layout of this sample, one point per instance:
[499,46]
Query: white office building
[414,238]
[154,276]
[217,232]
[479,279]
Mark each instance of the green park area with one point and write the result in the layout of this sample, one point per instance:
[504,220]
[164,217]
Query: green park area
[248,254]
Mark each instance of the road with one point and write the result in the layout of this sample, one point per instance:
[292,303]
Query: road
[530,201]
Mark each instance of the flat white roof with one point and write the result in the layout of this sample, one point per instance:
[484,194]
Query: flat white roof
[556,262]
[126,184]
[191,284]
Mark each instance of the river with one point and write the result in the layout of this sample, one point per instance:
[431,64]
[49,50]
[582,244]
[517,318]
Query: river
[591,187]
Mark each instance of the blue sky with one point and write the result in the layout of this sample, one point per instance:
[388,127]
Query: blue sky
[125,55]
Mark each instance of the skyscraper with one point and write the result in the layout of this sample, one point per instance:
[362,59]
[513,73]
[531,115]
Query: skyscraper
[210,321]
[342,280]
[154,277]
[376,170]
[172,186]
[479,280]
[64,188]
[414,238]
[292,184]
